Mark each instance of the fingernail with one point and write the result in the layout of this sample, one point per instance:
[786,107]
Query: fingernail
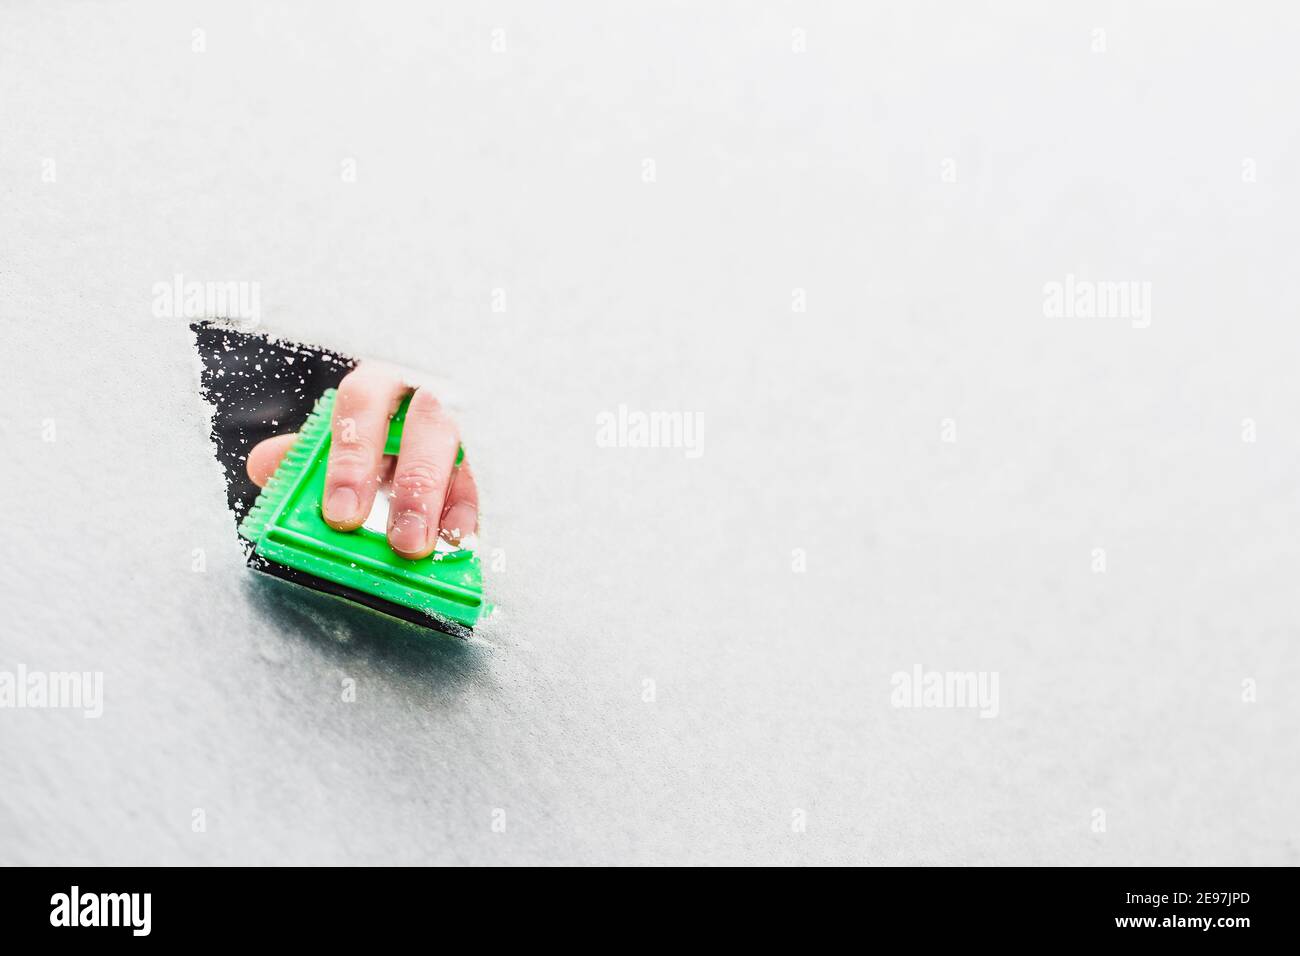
[409,533]
[342,505]
[458,524]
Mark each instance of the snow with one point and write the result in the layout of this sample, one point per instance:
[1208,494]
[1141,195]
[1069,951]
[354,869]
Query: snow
[660,684]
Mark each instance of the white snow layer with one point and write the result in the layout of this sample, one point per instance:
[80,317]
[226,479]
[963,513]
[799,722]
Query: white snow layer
[628,209]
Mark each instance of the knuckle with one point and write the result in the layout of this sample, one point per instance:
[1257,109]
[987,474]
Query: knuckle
[352,457]
[352,440]
[348,436]
[418,478]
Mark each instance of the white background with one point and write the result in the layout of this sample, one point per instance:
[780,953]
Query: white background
[775,170]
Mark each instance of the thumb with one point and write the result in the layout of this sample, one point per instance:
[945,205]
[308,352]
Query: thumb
[266,456]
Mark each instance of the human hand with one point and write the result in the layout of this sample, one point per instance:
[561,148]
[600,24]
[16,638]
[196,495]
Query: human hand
[430,495]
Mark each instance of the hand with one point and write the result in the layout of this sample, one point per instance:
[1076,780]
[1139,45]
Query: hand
[431,496]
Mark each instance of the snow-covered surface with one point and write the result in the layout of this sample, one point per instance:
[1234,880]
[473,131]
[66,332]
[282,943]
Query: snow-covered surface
[774,171]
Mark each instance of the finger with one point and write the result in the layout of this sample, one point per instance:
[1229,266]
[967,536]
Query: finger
[366,399]
[460,514]
[265,457]
[424,467]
